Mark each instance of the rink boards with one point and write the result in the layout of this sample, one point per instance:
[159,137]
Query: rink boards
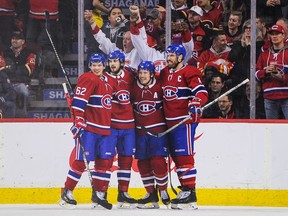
[239,163]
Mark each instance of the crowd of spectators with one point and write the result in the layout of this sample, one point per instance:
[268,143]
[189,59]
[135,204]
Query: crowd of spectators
[25,47]
[221,32]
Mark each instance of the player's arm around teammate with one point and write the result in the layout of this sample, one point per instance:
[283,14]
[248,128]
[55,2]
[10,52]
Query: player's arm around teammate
[151,152]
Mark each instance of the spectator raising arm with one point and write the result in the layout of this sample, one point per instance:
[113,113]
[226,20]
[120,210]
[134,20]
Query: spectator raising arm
[148,53]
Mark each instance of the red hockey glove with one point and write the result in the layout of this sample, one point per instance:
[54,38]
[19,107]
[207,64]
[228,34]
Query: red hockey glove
[78,127]
[195,110]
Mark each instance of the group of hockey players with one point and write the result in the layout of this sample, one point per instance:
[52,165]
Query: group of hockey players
[111,105]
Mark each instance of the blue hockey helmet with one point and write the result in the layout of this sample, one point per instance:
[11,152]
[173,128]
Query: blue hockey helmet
[97,57]
[178,49]
[147,65]
[117,54]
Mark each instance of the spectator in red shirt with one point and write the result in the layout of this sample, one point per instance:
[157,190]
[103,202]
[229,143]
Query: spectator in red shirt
[36,27]
[200,33]
[212,16]
[217,55]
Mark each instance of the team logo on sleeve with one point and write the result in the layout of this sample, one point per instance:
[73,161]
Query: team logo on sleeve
[106,101]
[146,107]
[170,93]
[123,97]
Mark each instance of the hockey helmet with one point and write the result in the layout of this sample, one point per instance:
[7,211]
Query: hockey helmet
[147,65]
[178,49]
[97,57]
[117,54]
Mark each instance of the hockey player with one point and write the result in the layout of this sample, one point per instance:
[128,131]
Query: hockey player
[147,99]
[91,108]
[122,125]
[184,94]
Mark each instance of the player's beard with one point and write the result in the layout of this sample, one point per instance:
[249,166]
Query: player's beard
[172,65]
[115,71]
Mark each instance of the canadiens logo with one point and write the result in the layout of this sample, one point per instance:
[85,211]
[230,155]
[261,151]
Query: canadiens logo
[106,101]
[146,107]
[159,65]
[170,93]
[123,97]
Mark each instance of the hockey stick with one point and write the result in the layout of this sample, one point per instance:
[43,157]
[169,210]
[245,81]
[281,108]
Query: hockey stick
[54,49]
[169,173]
[188,117]
[68,98]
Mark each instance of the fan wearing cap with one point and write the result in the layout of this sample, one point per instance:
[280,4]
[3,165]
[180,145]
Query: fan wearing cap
[284,23]
[272,71]
[22,65]
[200,33]
[179,25]
[154,27]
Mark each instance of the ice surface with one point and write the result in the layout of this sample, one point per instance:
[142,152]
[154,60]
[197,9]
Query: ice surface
[85,210]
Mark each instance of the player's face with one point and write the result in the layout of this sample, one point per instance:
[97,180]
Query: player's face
[97,68]
[144,77]
[172,60]
[114,65]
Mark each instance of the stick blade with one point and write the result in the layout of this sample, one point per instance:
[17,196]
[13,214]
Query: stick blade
[151,133]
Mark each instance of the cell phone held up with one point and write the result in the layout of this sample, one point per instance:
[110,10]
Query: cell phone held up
[118,19]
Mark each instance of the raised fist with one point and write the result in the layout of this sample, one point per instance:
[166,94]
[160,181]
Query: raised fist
[88,16]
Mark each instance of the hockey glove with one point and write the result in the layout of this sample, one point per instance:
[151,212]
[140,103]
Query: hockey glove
[195,110]
[78,127]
